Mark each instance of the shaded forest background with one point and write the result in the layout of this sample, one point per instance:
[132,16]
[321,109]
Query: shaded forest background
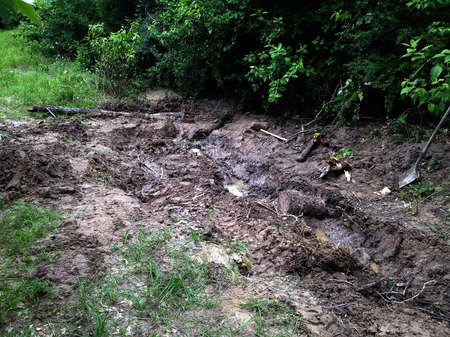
[344,59]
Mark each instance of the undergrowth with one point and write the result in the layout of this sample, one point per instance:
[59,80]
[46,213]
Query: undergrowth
[22,225]
[28,78]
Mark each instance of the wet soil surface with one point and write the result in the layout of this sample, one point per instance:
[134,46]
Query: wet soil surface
[359,263]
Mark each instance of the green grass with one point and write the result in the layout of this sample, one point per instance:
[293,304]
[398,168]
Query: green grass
[272,318]
[344,153]
[22,225]
[28,78]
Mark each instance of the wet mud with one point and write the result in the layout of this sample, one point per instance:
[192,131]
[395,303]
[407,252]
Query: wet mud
[364,263]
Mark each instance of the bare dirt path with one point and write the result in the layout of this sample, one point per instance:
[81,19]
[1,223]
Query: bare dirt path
[359,263]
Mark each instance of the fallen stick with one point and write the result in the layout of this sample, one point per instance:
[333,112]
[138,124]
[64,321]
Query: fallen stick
[408,284]
[73,111]
[340,281]
[274,135]
[305,153]
[294,136]
[51,113]
[369,285]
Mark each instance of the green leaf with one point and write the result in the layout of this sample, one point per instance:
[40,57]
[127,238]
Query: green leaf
[22,7]
[406,90]
[431,107]
[435,71]
[423,98]
[445,95]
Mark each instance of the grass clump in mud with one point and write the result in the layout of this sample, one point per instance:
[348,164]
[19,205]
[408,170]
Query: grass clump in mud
[22,225]
[272,318]
[344,153]
[29,78]
[159,286]
[152,280]
[173,277]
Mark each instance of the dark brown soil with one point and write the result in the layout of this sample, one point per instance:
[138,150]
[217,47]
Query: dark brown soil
[355,256]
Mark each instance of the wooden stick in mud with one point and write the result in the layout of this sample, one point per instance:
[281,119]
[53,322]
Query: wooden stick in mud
[274,135]
[305,153]
[73,111]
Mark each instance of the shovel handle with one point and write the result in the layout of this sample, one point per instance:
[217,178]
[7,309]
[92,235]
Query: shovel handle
[427,145]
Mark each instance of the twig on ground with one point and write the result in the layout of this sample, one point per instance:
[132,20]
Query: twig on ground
[340,281]
[278,213]
[416,295]
[298,133]
[369,285]
[407,285]
[268,208]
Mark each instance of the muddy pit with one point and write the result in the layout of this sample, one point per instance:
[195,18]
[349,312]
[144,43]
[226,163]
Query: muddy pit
[361,264]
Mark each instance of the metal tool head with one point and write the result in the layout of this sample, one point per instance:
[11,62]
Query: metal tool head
[408,177]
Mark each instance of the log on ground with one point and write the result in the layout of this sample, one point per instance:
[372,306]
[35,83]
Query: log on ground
[297,203]
[74,111]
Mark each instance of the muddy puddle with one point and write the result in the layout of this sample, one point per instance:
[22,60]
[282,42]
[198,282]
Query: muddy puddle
[351,261]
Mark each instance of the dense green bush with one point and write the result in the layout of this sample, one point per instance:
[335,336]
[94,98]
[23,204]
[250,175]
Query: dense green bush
[114,55]
[194,44]
[65,23]
[342,57]
[430,83]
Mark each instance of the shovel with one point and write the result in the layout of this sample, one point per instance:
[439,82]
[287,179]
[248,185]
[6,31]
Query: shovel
[413,173]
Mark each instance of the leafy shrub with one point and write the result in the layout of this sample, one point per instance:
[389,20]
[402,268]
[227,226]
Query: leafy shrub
[194,45]
[276,64]
[432,90]
[64,24]
[114,54]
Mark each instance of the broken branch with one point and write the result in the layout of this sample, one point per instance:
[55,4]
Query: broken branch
[274,135]
[305,153]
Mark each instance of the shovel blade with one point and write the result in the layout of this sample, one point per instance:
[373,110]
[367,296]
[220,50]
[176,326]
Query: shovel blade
[408,177]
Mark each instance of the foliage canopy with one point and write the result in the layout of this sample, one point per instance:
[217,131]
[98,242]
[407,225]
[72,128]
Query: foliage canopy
[341,57]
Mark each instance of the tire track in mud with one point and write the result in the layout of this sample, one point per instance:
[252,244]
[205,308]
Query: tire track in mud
[112,172]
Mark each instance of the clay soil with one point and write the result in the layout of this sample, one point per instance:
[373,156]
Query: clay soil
[361,264]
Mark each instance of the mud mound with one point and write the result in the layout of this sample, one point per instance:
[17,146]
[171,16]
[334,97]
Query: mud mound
[29,171]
